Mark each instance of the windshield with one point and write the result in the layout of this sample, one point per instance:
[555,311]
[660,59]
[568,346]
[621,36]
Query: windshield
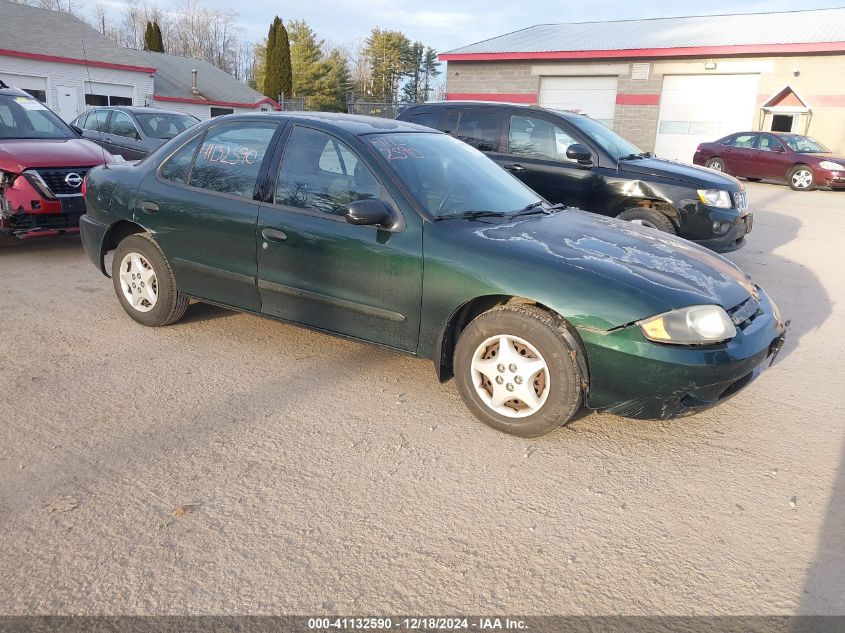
[450,178]
[165,125]
[21,116]
[803,144]
[609,140]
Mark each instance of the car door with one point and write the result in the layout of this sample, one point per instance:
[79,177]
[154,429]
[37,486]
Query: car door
[770,159]
[316,269]
[536,154]
[739,154]
[124,137]
[201,205]
[95,128]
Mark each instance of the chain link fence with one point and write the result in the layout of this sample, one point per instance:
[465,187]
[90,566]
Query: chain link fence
[384,110]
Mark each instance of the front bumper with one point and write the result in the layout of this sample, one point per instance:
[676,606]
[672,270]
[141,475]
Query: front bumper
[832,179]
[93,235]
[633,377]
[26,214]
[697,222]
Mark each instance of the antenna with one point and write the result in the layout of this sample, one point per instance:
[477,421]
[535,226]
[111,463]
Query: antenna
[91,87]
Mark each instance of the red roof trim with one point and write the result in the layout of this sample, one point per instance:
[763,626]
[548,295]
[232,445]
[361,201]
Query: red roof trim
[692,51]
[512,97]
[72,60]
[209,102]
[642,98]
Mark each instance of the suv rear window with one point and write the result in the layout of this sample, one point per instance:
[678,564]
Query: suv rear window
[428,119]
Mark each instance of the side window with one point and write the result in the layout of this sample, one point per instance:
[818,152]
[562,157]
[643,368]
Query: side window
[80,122]
[480,129]
[746,141]
[178,167]
[121,125]
[96,120]
[230,157]
[537,138]
[321,173]
[767,143]
[450,125]
[428,119]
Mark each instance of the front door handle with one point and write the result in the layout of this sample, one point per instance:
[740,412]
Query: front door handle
[515,167]
[274,235]
[149,207]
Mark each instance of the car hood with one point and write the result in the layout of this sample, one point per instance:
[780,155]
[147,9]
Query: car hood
[672,270]
[820,156]
[16,155]
[699,176]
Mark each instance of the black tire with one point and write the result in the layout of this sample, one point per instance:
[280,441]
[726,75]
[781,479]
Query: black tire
[794,175]
[716,164]
[544,332]
[650,218]
[170,304]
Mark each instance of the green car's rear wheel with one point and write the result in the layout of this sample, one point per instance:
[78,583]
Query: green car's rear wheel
[516,371]
[144,282]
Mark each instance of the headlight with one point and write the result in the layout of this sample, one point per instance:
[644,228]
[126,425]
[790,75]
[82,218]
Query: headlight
[829,164]
[696,325]
[715,198]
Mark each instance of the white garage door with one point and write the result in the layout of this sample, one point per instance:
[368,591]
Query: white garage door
[699,108]
[594,96]
[36,86]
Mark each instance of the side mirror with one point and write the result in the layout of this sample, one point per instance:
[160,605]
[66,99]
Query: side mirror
[580,153]
[77,130]
[369,212]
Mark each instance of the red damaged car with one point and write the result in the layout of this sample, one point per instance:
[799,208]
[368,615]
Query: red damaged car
[42,165]
[800,161]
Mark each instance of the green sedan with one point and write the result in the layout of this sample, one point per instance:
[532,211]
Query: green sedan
[400,236]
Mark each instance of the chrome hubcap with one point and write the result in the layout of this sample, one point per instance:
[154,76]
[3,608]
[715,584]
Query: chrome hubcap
[802,178]
[138,282]
[715,166]
[510,376]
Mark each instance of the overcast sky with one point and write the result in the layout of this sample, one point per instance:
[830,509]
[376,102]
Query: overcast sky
[448,24]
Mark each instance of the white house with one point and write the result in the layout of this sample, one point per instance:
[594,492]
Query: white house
[70,66]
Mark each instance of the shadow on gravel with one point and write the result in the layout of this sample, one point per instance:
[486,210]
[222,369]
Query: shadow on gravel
[794,288]
[10,246]
[199,311]
[824,588]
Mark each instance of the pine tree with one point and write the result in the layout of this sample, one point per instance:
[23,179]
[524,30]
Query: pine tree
[306,57]
[283,46]
[272,63]
[333,88]
[387,52]
[159,41]
[149,37]
[430,70]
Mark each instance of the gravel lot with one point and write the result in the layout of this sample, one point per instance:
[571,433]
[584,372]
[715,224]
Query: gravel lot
[230,464]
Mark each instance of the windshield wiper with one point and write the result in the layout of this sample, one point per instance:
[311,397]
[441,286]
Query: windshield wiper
[635,156]
[540,206]
[470,215]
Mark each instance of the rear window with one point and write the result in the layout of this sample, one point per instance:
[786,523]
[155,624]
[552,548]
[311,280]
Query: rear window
[428,119]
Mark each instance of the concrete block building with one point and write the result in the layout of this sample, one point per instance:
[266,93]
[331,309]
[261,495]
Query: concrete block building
[668,84]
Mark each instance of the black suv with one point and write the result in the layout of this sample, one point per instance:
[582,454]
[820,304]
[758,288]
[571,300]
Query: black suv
[574,160]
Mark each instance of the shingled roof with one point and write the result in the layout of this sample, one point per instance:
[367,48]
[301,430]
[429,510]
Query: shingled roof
[789,31]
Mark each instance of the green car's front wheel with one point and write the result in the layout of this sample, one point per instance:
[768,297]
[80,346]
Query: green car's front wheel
[516,371]
[144,282]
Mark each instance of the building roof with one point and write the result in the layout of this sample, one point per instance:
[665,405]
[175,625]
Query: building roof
[215,86]
[23,34]
[35,33]
[821,30]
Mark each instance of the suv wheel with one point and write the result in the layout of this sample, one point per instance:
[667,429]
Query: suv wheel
[144,282]
[516,372]
[650,218]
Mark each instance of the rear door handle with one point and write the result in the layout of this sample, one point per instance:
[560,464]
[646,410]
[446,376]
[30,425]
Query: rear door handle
[514,167]
[274,235]
[149,207]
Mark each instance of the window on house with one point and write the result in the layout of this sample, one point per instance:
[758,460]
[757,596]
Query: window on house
[41,95]
[221,111]
[92,99]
